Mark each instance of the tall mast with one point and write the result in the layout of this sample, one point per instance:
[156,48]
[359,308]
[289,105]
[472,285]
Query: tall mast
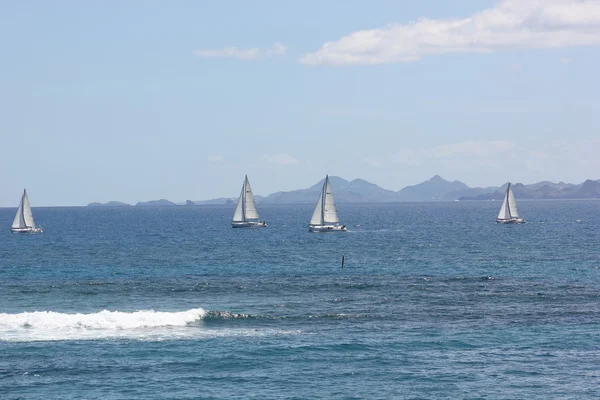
[244,199]
[23,207]
[324,195]
[508,200]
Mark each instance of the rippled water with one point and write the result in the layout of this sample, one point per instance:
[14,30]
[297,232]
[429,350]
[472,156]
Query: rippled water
[435,301]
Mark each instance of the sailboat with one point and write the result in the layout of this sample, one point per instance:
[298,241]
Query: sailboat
[246,213]
[325,217]
[23,221]
[508,212]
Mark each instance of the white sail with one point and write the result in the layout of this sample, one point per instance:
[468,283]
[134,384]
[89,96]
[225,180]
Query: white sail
[504,210]
[317,217]
[250,211]
[246,207]
[325,217]
[238,215]
[27,215]
[512,203]
[19,221]
[330,213]
[325,210]
[23,221]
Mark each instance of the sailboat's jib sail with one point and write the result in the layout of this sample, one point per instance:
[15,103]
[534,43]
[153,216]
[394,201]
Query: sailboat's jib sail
[317,217]
[251,212]
[19,221]
[330,213]
[512,204]
[238,215]
[504,211]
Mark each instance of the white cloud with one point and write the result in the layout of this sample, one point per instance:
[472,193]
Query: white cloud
[509,24]
[254,53]
[278,49]
[572,157]
[280,159]
[215,158]
[564,60]
[485,153]
[476,148]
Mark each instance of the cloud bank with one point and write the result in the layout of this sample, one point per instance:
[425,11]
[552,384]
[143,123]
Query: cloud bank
[483,151]
[280,159]
[509,24]
[254,53]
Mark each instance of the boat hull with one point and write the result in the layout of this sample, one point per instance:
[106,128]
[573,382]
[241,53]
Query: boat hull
[327,228]
[510,221]
[26,230]
[249,224]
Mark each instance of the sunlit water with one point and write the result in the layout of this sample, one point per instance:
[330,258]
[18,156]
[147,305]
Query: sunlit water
[434,301]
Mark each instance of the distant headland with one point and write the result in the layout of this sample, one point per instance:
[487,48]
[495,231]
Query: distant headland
[434,189]
[109,204]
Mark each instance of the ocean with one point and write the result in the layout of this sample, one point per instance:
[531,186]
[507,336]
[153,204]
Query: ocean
[435,301]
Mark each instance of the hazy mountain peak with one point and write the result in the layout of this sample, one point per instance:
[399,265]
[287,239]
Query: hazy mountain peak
[362,183]
[437,178]
[334,180]
[337,179]
[434,189]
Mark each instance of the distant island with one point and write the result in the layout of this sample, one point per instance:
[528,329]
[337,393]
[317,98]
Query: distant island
[155,203]
[110,204]
[434,189]
[544,190]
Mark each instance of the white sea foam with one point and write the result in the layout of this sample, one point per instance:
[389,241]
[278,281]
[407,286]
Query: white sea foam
[50,325]
[138,325]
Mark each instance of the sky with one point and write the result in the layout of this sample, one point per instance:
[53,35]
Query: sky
[141,100]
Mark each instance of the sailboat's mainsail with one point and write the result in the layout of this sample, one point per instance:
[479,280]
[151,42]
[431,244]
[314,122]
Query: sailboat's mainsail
[246,207]
[19,221]
[24,217]
[325,210]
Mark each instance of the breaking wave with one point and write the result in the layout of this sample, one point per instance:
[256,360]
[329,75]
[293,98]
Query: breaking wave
[144,324]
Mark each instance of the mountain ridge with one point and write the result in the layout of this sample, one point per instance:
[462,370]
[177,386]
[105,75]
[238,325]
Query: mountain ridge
[434,189]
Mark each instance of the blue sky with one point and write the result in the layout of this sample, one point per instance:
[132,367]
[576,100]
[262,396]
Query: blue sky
[108,100]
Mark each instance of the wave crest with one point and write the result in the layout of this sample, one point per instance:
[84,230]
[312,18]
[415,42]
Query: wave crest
[226,315]
[50,325]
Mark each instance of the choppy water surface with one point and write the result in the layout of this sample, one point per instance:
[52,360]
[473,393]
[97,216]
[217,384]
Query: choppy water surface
[435,301]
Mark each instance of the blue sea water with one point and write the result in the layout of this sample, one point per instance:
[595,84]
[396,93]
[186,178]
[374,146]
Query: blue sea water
[435,301]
